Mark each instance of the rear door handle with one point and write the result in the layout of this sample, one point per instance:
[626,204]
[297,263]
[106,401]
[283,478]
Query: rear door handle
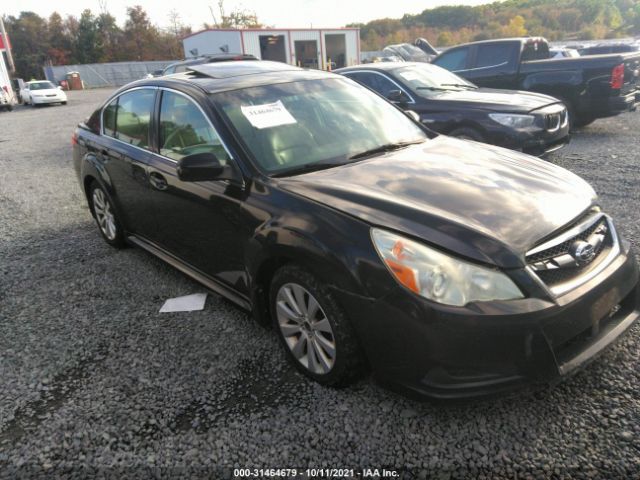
[158,181]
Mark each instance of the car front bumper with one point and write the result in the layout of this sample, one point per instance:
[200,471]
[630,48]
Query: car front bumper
[47,100]
[483,348]
[532,141]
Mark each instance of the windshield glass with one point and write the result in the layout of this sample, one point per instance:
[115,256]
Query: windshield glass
[291,125]
[41,86]
[428,80]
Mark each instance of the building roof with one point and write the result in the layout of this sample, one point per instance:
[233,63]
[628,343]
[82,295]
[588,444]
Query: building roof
[267,30]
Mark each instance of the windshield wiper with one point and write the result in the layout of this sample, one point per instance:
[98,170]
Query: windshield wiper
[460,85]
[310,167]
[383,148]
[433,89]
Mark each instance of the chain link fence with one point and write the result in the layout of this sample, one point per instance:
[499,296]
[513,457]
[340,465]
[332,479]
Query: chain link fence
[97,75]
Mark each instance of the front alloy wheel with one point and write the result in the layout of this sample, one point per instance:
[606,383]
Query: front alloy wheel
[313,329]
[305,328]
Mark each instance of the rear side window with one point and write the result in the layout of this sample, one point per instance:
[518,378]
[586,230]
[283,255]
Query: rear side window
[453,60]
[127,118]
[184,129]
[495,55]
[109,118]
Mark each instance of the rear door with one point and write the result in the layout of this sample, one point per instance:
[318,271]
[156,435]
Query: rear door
[494,65]
[125,153]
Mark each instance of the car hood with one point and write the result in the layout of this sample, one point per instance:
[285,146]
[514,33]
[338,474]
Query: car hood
[496,100]
[482,202]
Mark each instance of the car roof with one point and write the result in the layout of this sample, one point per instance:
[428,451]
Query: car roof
[213,57]
[385,66]
[226,76]
[521,40]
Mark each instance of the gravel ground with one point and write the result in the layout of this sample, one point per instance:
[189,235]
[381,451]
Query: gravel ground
[93,380]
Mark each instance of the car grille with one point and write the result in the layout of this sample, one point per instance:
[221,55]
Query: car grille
[576,255]
[51,95]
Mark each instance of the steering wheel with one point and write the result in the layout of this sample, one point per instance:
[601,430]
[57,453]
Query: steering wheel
[176,135]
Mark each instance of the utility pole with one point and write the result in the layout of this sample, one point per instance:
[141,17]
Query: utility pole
[7,47]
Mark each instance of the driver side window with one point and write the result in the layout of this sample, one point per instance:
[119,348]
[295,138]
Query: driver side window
[184,130]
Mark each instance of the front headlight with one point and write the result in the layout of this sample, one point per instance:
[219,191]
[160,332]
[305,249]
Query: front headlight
[440,277]
[512,120]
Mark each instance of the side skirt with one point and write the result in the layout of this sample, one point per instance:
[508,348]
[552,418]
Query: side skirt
[212,284]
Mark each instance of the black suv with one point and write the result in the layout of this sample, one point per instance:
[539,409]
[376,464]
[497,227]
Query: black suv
[449,267]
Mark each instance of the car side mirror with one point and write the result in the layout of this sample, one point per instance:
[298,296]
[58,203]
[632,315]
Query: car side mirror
[412,115]
[202,167]
[59,87]
[396,96]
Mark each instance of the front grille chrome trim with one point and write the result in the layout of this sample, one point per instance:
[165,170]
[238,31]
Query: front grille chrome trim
[602,264]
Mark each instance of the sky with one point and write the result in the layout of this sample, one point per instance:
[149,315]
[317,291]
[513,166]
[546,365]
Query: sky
[279,13]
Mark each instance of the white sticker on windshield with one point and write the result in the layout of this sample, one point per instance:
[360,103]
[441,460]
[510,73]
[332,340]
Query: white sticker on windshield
[268,115]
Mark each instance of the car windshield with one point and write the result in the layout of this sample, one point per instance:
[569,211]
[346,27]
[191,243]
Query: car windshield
[41,86]
[314,123]
[427,80]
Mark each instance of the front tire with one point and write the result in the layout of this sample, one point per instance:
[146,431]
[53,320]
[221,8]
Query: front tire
[106,217]
[313,329]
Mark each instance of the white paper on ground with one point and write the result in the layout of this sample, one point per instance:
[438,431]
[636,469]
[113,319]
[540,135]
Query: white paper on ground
[188,303]
[267,115]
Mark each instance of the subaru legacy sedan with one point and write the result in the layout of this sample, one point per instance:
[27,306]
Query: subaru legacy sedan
[448,267]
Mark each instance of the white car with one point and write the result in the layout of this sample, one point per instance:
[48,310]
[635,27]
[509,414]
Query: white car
[42,92]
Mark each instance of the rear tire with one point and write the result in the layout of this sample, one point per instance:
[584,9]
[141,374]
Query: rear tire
[467,133]
[313,329]
[106,217]
[583,121]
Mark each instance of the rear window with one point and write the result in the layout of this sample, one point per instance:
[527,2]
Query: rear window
[535,51]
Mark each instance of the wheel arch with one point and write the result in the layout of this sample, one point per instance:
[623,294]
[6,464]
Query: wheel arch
[265,257]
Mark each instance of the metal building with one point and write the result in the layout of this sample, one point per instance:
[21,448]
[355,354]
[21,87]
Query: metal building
[312,48]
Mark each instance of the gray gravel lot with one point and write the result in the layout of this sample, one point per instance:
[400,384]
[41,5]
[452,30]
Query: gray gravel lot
[93,380]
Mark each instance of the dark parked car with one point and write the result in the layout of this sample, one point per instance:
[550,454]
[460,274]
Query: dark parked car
[451,268]
[448,104]
[590,87]
[183,65]
[407,52]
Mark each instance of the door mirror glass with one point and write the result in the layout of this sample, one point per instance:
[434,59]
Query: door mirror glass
[396,96]
[200,167]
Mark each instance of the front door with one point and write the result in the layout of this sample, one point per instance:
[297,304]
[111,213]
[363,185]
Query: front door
[201,223]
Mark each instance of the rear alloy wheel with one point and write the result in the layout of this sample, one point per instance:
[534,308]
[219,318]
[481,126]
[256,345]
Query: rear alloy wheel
[105,216]
[313,328]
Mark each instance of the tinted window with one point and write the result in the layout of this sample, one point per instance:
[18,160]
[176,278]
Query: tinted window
[109,118]
[493,55]
[453,60]
[133,117]
[375,81]
[185,130]
[535,51]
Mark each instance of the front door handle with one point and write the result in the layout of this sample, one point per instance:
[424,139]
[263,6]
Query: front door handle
[158,181]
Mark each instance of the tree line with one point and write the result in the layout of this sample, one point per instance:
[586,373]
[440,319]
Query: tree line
[97,37]
[570,20]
